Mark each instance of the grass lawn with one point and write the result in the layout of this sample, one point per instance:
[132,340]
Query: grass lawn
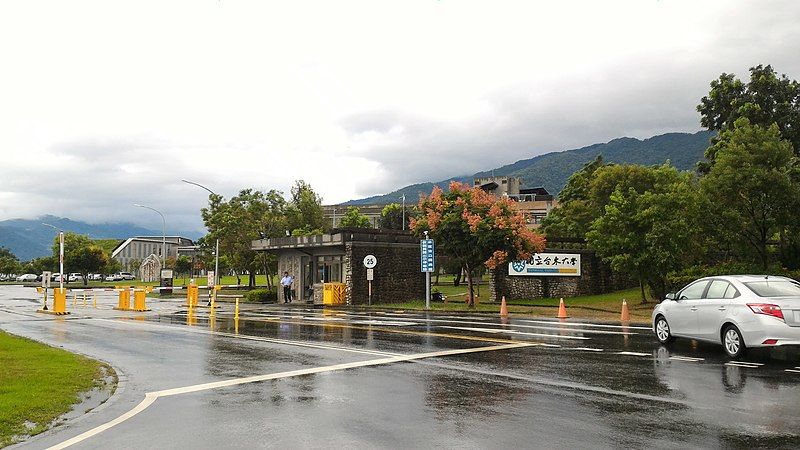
[602,307]
[38,383]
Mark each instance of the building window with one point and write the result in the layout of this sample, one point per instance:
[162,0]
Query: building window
[329,269]
[505,181]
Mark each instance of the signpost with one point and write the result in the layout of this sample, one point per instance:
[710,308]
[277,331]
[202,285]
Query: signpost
[45,284]
[211,283]
[427,265]
[370,261]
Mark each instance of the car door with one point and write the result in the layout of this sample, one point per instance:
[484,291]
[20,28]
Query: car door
[713,308]
[682,313]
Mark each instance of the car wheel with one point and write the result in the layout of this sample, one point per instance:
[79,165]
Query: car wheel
[733,342]
[662,331]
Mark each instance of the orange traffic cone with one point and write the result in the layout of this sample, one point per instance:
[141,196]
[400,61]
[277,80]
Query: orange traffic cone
[562,310]
[503,308]
[626,315]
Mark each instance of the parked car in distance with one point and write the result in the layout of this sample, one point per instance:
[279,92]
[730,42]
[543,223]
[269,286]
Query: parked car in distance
[737,311]
[75,276]
[113,277]
[55,277]
[126,276]
[27,277]
[95,277]
[3,277]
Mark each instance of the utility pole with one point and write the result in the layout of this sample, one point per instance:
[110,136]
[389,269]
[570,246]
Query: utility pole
[216,247]
[163,234]
[404,211]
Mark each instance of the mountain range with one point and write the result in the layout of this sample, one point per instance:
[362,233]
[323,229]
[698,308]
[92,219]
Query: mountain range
[551,170]
[28,238]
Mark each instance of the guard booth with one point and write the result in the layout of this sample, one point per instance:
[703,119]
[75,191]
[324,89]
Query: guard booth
[166,281]
[328,269]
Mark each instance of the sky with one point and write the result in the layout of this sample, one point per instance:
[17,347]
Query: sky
[105,104]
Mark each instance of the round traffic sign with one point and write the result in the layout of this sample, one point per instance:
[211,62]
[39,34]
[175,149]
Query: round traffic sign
[370,261]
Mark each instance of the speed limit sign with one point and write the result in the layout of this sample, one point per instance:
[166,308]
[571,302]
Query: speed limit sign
[370,261]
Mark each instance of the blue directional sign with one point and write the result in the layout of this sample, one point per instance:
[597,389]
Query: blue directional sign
[426,255]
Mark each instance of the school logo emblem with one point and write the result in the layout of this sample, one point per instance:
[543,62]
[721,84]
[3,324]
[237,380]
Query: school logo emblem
[518,266]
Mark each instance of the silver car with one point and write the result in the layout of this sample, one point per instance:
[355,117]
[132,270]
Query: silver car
[737,311]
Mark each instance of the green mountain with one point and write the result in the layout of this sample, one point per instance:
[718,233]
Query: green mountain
[28,238]
[552,170]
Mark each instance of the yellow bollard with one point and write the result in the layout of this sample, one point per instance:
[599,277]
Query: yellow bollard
[236,311]
[85,299]
[124,300]
[94,300]
[139,297]
[60,301]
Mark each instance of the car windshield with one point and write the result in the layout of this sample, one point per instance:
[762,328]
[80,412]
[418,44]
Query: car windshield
[776,288]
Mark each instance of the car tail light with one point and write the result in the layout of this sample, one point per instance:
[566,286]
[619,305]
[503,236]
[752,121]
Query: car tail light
[766,308]
[770,341]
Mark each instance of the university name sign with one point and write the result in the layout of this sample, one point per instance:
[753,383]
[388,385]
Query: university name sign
[548,265]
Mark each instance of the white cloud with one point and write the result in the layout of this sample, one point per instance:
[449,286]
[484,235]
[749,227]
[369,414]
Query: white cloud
[104,104]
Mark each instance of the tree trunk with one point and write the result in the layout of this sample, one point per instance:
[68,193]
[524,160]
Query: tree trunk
[457,279]
[470,296]
[252,282]
[641,288]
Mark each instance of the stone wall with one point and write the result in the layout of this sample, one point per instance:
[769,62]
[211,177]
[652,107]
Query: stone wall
[596,278]
[397,275]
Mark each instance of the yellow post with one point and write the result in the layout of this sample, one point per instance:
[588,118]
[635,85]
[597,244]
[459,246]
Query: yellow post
[139,298]
[59,301]
[124,300]
[236,318]
[85,298]
[94,300]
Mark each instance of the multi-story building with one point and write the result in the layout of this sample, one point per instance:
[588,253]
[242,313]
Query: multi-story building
[140,247]
[533,203]
[334,213]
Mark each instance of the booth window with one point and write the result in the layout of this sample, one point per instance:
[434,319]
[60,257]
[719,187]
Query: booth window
[329,269]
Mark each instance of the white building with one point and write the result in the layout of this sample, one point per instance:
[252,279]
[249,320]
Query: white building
[140,247]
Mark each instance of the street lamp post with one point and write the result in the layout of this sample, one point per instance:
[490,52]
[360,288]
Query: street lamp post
[216,251]
[404,211]
[163,233]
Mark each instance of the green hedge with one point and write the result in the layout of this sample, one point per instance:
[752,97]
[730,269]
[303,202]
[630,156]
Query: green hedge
[262,296]
[677,280]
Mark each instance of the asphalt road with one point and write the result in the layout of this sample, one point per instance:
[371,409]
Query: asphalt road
[311,378]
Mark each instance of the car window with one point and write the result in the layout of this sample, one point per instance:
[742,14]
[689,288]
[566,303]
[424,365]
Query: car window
[731,292]
[717,289]
[775,288]
[693,291]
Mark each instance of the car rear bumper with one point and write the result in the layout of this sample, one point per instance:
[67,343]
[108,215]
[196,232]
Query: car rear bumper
[765,330]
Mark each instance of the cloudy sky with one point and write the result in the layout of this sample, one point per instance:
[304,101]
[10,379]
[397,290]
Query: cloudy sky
[105,104]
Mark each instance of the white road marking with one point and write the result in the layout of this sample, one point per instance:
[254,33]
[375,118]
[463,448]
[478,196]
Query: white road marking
[515,332]
[746,363]
[747,366]
[685,358]
[793,370]
[151,397]
[585,349]
[633,354]
[584,324]
[323,319]
[383,322]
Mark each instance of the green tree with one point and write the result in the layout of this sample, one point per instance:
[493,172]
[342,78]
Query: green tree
[765,100]
[754,185]
[474,228]
[248,216]
[392,217]
[80,255]
[42,264]
[354,219]
[305,211]
[183,265]
[650,225]
[8,262]
[578,207]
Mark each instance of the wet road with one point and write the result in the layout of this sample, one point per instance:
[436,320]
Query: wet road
[288,377]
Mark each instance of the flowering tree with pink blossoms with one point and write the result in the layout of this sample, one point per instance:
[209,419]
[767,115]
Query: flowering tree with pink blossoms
[474,227]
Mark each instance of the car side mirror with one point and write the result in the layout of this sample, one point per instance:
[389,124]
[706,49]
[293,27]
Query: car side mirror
[671,296]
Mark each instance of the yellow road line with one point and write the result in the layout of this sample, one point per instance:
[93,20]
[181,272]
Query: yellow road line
[151,397]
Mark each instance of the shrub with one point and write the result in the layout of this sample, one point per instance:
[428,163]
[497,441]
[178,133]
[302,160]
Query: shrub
[677,280]
[261,296]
